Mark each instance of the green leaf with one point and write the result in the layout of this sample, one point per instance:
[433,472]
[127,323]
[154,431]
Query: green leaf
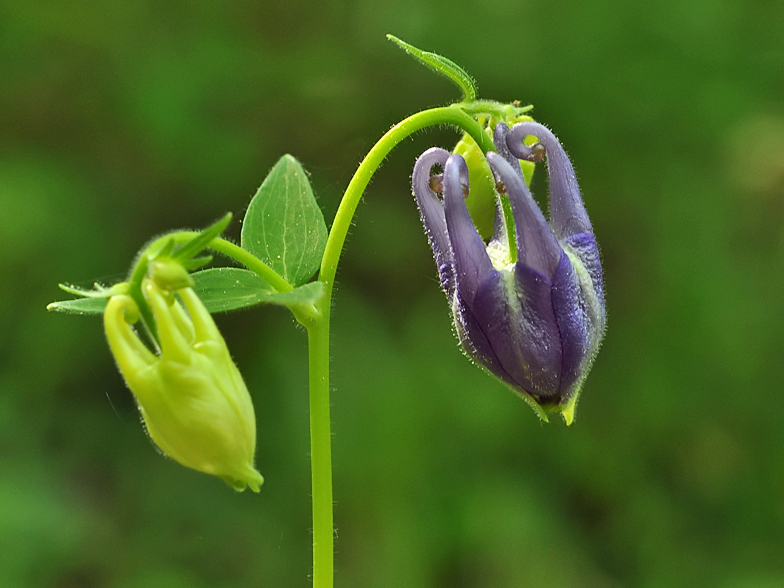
[98,292]
[79,306]
[284,227]
[221,289]
[91,301]
[442,65]
[230,288]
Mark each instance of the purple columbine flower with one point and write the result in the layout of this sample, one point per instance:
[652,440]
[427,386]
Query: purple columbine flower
[534,319]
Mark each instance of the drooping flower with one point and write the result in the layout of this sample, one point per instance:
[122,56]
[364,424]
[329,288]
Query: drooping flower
[192,397]
[529,308]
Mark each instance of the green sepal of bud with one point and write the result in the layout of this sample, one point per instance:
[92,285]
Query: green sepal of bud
[193,247]
[196,262]
[192,398]
[169,275]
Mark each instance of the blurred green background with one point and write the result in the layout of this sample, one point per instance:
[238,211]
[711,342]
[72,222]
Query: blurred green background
[123,119]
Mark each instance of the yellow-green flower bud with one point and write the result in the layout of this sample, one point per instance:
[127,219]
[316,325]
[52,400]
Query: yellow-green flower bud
[192,398]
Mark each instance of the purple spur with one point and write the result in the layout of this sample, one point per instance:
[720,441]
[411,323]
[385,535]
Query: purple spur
[528,308]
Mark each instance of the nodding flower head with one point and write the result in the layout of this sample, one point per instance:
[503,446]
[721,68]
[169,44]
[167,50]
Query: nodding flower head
[528,305]
[191,396]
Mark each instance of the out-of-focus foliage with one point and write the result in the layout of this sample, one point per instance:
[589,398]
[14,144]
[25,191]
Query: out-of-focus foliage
[119,120]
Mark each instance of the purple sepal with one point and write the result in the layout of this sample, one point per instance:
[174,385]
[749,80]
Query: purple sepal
[474,340]
[573,325]
[446,275]
[584,247]
[535,346]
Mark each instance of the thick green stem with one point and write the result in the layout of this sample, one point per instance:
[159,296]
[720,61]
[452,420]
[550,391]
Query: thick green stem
[318,328]
[448,115]
[321,450]
[251,262]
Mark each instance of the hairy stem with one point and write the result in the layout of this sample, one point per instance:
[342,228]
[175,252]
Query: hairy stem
[321,451]
[318,328]
[452,115]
